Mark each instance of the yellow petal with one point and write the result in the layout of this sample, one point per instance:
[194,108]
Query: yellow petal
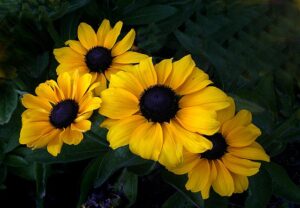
[147,140]
[76,46]
[124,45]
[171,153]
[44,139]
[102,32]
[89,103]
[62,68]
[34,102]
[121,131]
[240,166]
[252,152]
[241,183]
[213,175]
[243,136]
[129,57]
[83,84]
[81,126]
[205,191]
[223,184]
[118,103]
[87,36]
[108,123]
[34,130]
[70,137]
[127,81]
[199,176]
[113,35]
[54,146]
[189,162]
[197,80]
[45,91]
[121,67]
[163,70]
[99,78]
[64,83]
[59,93]
[181,70]
[68,56]
[210,98]
[146,73]
[197,119]
[242,118]
[34,115]
[83,116]
[226,113]
[193,142]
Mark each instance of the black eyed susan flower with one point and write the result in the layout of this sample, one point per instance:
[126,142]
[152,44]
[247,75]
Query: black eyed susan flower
[59,113]
[98,53]
[230,161]
[160,109]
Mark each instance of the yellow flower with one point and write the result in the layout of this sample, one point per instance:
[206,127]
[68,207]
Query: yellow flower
[98,53]
[226,166]
[59,113]
[157,110]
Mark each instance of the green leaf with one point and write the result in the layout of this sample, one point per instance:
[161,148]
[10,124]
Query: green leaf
[15,161]
[242,103]
[96,130]
[113,161]
[88,148]
[41,181]
[69,25]
[88,178]
[215,200]
[128,184]
[25,172]
[3,173]
[10,132]
[177,200]
[8,102]
[76,4]
[282,184]
[265,89]
[259,192]
[178,182]
[190,43]
[149,14]
[143,169]
[39,66]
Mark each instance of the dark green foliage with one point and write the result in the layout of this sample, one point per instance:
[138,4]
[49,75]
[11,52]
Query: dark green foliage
[250,49]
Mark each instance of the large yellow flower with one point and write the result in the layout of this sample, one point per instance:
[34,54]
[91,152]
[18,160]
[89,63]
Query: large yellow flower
[59,113]
[226,166]
[157,110]
[99,53]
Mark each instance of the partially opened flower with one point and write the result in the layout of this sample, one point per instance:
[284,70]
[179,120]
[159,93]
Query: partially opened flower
[98,53]
[158,110]
[59,112]
[230,161]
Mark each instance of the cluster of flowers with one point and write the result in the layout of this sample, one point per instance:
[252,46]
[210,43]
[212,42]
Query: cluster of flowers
[167,112]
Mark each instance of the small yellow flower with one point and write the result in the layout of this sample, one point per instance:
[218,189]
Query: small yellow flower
[158,110]
[98,53]
[59,113]
[226,166]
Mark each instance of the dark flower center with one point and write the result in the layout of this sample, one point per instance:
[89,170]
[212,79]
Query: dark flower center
[98,59]
[219,147]
[64,113]
[159,103]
